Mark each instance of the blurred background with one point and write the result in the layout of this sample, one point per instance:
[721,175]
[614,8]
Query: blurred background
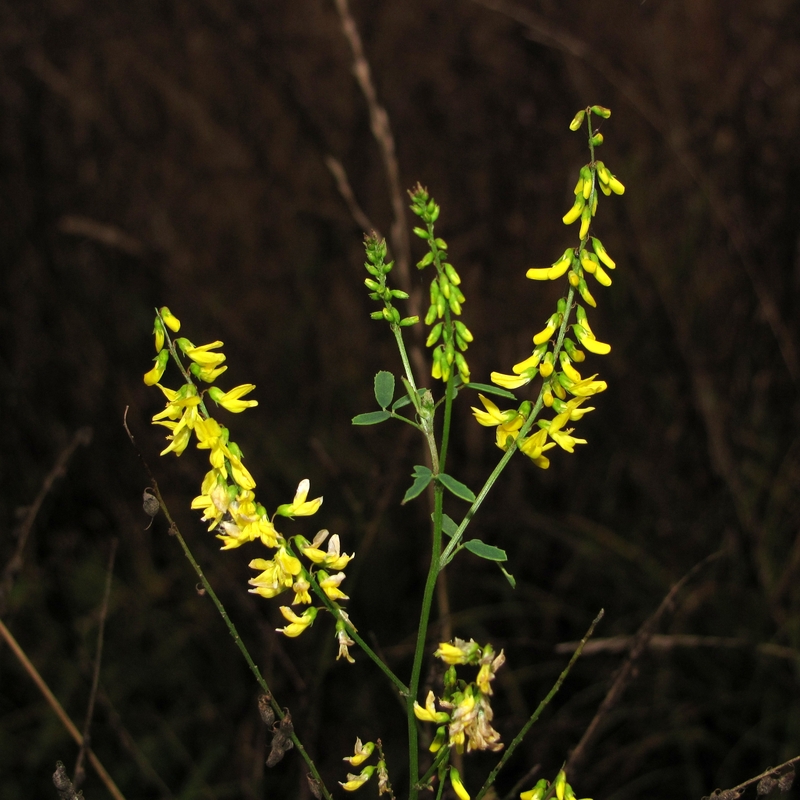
[175,153]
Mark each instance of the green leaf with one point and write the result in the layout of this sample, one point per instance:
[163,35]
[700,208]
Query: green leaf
[456,487]
[384,388]
[371,418]
[422,477]
[509,577]
[400,402]
[449,527]
[486,389]
[487,551]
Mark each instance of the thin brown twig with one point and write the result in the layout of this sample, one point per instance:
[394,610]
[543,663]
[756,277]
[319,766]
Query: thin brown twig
[382,132]
[59,710]
[732,794]
[619,644]
[626,673]
[336,168]
[81,437]
[80,772]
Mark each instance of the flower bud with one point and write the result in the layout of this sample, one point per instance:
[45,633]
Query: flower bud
[577,120]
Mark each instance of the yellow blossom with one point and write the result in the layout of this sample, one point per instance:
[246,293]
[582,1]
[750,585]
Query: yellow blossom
[232,400]
[509,381]
[202,355]
[458,787]
[300,588]
[152,377]
[361,753]
[297,624]
[300,507]
[330,585]
[493,415]
[357,781]
[429,713]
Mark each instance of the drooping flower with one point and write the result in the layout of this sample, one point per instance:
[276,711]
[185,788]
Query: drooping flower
[297,624]
[232,400]
[300,507]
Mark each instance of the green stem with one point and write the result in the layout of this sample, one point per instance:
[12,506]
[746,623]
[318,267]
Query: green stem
[541,707]
[336,610]
[422,635]
[279,713]
[443,753]
[453,545]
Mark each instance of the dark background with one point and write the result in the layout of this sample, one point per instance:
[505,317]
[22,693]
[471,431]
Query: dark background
[174,153]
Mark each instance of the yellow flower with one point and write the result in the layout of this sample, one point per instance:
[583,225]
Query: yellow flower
[538,791]
[202,355]
[458,787]
[276,575]
[170,320]
[206,374]
[458,652]
[297,624]
[587,387]
[299,507]
[361,753]
[510,381]
[357,781]
[534,447]
[333,558]
[152,377]
[429,713]
[300,588]
[493,415]
[232,400]
[330,585]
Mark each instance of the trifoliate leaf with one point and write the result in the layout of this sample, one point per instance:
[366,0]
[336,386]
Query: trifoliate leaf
[384,388]
[371,418]
[456,487]
[487,551]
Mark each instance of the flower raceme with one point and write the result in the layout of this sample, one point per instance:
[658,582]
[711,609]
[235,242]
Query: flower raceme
[227,499]
[555,354]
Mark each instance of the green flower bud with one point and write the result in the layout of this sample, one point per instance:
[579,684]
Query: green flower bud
[601,111]
[577,120]
[451,273]
[434,335]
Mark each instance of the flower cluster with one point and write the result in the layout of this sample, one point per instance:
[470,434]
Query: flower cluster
[226,497]
[555,354]
[446,296]
[356,780]
[378,268]
[466,713]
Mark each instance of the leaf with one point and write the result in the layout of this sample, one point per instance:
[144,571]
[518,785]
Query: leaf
[509,577]
[422,476]
[384,388]
[456,487]
[485,387]
[371,418]
[449,527]
[400,402]
[487,551]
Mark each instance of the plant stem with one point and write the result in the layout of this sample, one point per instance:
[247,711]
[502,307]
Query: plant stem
[541,707]
[453,544]
[422,632]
